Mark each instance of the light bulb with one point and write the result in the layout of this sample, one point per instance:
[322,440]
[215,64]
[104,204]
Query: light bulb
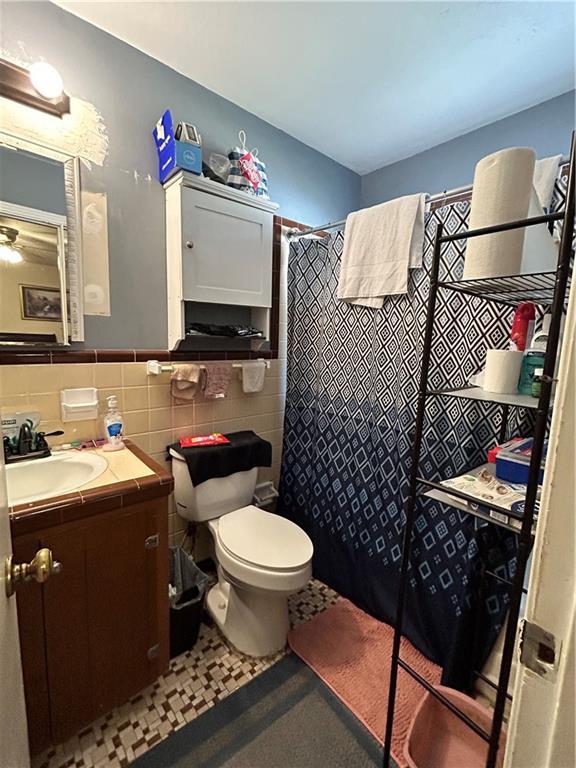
[46,79]
[10,255]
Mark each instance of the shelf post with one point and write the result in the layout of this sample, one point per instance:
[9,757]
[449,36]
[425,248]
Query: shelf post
[504,424]
[525,539]
[411,501]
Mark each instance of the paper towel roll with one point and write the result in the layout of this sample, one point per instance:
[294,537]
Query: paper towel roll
[502,371]
[501,193]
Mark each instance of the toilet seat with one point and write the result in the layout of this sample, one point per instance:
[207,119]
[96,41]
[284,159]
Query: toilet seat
[264,540]
[259,549]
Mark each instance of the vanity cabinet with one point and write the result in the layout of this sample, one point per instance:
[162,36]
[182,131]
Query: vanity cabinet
[97,633]
[219,248]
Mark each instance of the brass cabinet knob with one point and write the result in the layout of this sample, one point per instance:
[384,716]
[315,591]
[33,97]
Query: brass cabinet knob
[39,569]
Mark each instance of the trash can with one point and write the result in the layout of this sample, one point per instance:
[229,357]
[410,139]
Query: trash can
[187,589]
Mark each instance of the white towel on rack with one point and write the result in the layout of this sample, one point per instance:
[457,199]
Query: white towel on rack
[380,245]
[253,374]
[545,173]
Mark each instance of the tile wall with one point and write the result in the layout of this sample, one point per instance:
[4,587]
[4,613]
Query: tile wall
[152,420]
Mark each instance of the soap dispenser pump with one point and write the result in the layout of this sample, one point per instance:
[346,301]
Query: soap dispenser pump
[114,424]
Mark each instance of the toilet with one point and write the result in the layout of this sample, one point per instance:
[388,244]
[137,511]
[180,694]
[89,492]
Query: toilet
[262,558]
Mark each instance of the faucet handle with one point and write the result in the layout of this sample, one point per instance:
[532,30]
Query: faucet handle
[40,443]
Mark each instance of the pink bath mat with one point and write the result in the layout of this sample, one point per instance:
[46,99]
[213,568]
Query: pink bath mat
[350,651]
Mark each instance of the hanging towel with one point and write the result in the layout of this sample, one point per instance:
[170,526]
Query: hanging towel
[545,173]
[380,245]
[184,382]
[253,374]
[217,380]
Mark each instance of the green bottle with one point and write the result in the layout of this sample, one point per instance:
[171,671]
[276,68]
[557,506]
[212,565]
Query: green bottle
[533,359]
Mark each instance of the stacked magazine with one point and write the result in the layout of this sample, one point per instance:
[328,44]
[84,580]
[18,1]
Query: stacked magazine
[482,484]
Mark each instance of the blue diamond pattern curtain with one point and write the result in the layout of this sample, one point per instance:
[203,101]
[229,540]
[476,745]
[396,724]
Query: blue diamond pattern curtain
[349,425]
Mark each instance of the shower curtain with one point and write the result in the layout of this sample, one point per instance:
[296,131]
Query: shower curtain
[349,425]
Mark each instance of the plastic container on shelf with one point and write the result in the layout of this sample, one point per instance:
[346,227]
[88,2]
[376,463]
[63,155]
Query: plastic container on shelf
[437,738]
[536,384]
[534,358]
[523,326]
[513,461]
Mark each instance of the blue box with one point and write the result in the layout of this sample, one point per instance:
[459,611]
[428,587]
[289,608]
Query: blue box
[174,155]
[513,461]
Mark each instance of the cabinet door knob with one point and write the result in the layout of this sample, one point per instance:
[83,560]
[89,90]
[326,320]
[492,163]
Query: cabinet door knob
[189,244]
[40,569]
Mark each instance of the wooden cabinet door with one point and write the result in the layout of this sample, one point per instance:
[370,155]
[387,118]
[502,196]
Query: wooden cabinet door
[67,640]
[226,251]
[119,598]
[33,652]
[105,619]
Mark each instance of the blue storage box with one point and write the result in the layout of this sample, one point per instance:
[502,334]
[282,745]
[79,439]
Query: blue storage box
[174,155]
[513,461]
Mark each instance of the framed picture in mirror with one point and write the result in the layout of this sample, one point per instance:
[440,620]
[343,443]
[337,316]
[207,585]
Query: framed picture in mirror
[40,303]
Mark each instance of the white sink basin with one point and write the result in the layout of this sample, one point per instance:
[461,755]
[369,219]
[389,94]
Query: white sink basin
[43,478]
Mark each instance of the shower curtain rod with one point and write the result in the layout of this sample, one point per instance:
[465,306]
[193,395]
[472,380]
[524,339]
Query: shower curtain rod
[294,233]
[429,199]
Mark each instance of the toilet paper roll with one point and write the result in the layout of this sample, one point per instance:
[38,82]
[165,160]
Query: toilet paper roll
[502,371]
[501,193]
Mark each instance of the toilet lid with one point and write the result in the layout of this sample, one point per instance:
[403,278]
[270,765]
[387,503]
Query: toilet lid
[264,539]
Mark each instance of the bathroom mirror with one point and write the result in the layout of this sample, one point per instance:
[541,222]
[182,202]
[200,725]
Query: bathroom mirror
[40,254]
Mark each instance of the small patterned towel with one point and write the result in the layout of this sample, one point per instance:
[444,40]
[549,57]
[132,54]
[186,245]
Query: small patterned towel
[217,380]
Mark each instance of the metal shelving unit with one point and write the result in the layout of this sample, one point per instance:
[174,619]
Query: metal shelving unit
[545,288]
[477,393]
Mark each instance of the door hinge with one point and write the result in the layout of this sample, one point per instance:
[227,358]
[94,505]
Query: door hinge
[152,652]
[151,541]
[538,650]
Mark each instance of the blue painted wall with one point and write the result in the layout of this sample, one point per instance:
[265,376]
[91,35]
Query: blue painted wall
[131,90]
[546,127]
[32,181]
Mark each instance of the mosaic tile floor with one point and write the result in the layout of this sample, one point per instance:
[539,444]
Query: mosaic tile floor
[195,682]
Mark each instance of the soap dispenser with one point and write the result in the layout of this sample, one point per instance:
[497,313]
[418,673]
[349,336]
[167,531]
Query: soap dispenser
[114,424]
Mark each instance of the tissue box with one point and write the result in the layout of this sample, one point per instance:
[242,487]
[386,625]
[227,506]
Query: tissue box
[174,155]
[513,461]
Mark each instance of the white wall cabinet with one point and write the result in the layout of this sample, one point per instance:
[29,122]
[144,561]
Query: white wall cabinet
[219,248]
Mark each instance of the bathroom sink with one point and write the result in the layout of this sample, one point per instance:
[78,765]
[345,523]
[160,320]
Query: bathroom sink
[43,478]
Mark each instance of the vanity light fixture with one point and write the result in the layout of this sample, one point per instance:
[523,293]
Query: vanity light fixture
[40,87]
[8,252]
[47,80]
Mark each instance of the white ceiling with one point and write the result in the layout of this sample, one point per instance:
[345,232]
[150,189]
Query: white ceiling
[370,83]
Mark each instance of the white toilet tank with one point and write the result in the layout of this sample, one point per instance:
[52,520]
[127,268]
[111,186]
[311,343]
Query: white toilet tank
[212,498]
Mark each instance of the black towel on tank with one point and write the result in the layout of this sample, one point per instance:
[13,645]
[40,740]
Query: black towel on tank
[244,451]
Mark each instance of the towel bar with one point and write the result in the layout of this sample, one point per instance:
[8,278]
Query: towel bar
[153,367]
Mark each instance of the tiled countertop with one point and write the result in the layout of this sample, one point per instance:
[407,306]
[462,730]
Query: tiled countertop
[131,477]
